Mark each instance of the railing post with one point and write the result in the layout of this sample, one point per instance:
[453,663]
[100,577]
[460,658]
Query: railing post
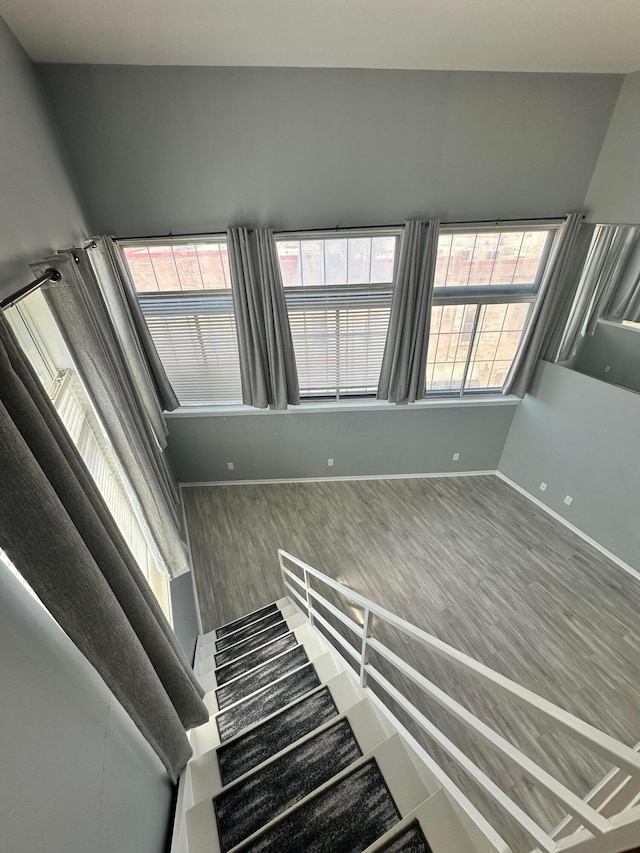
[308,597]
[364,651]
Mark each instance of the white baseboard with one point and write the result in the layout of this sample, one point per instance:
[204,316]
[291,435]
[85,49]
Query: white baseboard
[338,479]
[609,554]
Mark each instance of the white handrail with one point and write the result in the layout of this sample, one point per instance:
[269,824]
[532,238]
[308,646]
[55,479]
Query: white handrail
[622,756]
[606,746]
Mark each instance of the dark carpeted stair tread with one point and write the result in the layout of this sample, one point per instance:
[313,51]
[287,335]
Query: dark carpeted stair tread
[252,643]
[345,818]
[410,840]
[269,700]
[260,656]
[245,620]
[250,630]
[247,807]
[261,677]
[274,735]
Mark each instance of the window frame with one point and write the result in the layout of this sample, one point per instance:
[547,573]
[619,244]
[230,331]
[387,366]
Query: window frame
[480,295]
[340,296]
[186,303]
[37,333]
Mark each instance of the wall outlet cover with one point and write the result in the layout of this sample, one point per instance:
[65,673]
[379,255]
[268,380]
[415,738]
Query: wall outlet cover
[543,487]
[455,457]
[230,466]
[330,463]
[568,500]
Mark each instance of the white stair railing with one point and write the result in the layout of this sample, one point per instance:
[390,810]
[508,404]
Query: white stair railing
[593,832]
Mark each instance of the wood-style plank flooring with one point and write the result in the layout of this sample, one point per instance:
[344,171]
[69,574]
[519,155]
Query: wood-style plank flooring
[471,561]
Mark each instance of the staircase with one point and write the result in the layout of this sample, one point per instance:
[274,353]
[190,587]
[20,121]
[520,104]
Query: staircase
[299,754]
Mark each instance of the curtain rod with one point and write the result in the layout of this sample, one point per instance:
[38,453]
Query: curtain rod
[171,236]
[50,274]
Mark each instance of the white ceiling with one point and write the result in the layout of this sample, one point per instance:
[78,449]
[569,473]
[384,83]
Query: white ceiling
[491,35]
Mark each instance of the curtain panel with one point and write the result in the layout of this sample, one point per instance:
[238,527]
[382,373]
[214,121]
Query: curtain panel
[607,260]
[404,363]
[59,533]
[539,329]
[625,301]
[120,295]
[101,358]
[267,361]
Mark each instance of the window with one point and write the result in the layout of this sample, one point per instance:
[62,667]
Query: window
[34,325]
[184,289]
[338,291]
[484,286]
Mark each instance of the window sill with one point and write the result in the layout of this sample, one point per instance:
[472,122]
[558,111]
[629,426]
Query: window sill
[348,406]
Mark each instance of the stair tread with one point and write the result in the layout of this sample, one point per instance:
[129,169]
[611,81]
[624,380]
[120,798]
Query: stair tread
[347,817]
[274,735]
[261,655]
[269,699]
[245,620]
[249,630]
[248,806]
[411,840]
[267,673]
[251,643]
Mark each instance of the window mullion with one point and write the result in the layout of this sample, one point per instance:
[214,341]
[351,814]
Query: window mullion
[471,346]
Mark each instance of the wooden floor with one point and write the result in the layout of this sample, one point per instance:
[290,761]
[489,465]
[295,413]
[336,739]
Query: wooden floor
[469,560]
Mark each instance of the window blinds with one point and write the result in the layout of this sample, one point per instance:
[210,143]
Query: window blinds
[73,406]
[195,336]
[338,337]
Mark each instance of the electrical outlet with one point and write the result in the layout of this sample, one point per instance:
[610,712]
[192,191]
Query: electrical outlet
[543,487]
[330,463]
[607,368]
[230,466]
[568,500]
[455,457]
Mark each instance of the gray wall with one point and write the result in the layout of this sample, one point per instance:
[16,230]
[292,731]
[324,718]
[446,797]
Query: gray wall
[160,149]
[183,612]
[580,436]
[613,346]
[76,776]
[39,211]
[614,193]
[292,444]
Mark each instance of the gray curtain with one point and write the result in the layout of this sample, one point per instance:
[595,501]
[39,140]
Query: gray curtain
[569,288]
[122,301]
[625,302]
[539,329]
[267,360]
[608,256]
[403,371]
[101,361]
[58,531]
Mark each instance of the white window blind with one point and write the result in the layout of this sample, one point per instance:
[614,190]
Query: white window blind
[184,292]
[338,293]
[76,412]
[195,336]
